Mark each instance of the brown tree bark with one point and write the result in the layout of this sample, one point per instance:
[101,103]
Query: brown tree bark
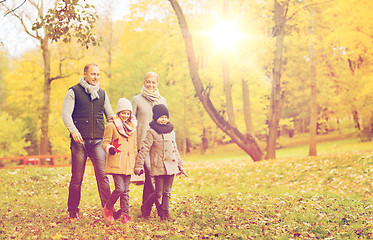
[226,77]
[280,12]
[245,142]
[228,91]
[44,148]
[246,105]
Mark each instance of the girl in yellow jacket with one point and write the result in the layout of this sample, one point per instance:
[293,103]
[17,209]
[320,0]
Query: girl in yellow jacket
[119,142]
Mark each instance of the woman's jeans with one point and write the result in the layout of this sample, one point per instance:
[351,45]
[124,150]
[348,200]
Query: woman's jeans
[79,153]
[163,186]
[122,188]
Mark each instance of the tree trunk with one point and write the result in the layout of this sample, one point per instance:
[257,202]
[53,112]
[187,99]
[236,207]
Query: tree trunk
[205,143]
[227,82]
[313,120]
[228,91]
[45,110]
[280,11]
[355,115]
[247,143]
[246,106]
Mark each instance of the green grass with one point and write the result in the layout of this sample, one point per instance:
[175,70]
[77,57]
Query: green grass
[328,147]
[290,147]
[226,196]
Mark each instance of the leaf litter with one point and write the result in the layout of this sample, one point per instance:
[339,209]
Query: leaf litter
[327,197]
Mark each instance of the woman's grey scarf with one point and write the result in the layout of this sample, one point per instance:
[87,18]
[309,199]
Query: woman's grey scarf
[153,97]
[90,89]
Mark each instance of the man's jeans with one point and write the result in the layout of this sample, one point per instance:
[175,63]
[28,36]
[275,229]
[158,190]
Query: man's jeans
[122,188]
[163,186]
[79,154]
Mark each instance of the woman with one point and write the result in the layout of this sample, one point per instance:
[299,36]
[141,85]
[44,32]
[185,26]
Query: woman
[142,105]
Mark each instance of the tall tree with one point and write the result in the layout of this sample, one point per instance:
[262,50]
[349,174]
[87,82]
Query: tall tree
[51,25]
[246,103]
[226,76]
[247,143]
[280,18]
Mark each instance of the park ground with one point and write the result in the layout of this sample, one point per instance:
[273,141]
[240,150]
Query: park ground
[226,196]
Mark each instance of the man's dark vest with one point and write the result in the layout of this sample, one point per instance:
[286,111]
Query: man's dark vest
[88,115]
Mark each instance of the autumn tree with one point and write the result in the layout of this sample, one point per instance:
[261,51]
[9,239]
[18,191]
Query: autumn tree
[54,21]
[149,39]
[247,142]
[351,64]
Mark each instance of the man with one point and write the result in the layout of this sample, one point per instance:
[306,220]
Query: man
[82,112]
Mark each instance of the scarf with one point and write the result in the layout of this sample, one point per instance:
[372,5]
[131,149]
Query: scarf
[90,89]
[125,128]
[153,97]
[161,128]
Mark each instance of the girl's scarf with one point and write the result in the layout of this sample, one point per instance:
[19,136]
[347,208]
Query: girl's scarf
[161,128]
[125,128]
[153,97]
[90,89]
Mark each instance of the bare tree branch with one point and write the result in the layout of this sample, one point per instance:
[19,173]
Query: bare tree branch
[21,21]
[11,11]
[308,5]
[36,36]
[61,76]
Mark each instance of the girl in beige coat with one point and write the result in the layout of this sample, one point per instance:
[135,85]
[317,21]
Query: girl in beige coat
[165,160]
[119,142]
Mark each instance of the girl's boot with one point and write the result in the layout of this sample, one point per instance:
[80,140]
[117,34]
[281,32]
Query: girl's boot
[108,214]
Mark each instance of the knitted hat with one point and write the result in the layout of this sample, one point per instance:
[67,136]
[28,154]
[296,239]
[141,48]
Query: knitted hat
[159,110]
[123,104]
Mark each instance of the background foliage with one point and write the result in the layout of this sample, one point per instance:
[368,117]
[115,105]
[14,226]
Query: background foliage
[148,39]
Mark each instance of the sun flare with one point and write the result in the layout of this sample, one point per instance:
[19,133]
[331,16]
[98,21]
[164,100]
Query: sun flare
[226,35]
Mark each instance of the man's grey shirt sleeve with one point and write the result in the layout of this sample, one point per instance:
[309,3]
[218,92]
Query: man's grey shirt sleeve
[67,111]
[107,108]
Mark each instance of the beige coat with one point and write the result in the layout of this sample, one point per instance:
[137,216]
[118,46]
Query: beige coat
[164,156]
[142,109]
[123,162]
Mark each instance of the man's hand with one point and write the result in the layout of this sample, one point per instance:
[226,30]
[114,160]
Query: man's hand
[77,137]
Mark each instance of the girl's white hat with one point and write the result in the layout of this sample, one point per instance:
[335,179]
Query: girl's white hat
[123,104]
